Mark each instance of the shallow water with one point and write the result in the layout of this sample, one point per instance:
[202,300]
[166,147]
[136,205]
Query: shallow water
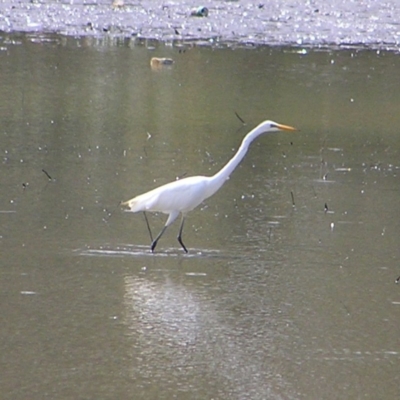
[274,300]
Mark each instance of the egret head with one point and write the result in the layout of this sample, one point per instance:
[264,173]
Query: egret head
[271,126]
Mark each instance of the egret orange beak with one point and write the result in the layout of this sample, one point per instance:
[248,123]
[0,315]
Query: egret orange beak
[285,127]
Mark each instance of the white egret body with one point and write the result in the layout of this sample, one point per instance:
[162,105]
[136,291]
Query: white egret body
[182,196]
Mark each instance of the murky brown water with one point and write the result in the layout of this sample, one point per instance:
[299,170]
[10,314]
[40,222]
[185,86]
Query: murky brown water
[273,300]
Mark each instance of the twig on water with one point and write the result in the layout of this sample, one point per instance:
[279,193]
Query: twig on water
[47,174]
[293,203]
[240,119]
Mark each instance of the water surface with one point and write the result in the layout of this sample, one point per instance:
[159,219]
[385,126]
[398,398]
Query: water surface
[274,300]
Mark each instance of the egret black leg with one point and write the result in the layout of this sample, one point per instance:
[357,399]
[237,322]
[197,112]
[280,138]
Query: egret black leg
[180,236]
[148,225]
[154,242]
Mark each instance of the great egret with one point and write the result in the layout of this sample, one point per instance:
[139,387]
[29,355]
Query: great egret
[184,195]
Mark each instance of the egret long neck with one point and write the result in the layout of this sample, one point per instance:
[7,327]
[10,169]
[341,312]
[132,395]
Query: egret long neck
[217,180]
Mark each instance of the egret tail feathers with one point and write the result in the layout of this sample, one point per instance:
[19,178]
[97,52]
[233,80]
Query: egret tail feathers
[138,203]
[129,203]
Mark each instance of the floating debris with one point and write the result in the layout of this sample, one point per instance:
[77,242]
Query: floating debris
[195,274]
[240,118]
[117,3]
[157,62]
[47,174]
[200,12]
[342,169]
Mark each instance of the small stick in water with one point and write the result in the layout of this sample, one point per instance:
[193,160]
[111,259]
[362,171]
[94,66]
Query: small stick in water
[293,203]
[241,119]
[50,178]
